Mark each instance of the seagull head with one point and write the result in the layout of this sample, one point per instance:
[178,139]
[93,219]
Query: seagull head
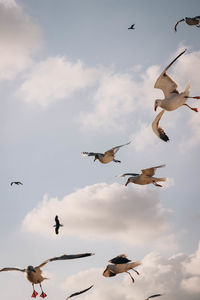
[96,157]
[31,269]
[157,103]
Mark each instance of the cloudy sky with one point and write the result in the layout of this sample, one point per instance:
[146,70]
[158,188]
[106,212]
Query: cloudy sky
[74,78]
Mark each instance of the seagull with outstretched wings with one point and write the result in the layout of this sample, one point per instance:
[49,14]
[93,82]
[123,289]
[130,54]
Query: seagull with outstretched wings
[173,99]
[107,156]
[57,225]
[146,177]
[132,26]
[16,182]
[34,274]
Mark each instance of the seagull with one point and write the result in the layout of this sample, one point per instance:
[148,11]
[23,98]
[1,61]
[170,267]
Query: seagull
[173,99]
[153,296]
[107,156]
[57,225]
[16,182]
[132,26]
[78,293]
[190,21]
[158,130]
[145,178]
[34,274]
[120,264]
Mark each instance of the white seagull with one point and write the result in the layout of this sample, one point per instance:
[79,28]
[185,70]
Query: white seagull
[120,264]
[145,178]
[173,99]
[158,130]
[34,274]
[107,156]
[195,21]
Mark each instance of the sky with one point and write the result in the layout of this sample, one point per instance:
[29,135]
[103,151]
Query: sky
[73,78]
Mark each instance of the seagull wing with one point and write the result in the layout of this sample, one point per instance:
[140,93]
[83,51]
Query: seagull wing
[78,293]
[114,150]
[165,82]
[90,153]
[120,259]
[127,174]
[12,269]
[151,171]
[177,24]
[158,130]
[64,257]
[153,296]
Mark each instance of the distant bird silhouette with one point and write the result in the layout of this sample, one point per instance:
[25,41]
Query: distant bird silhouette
[145,178]
[153,296]
[132,26]
[120,264]
[57,225]
[195,21]
[16,182]
[34,274]
[158,130]
[78,293]
[107,156]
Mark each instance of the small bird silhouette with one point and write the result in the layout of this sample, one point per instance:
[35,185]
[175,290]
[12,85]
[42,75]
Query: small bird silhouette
[57,225]
[132,26]
[16,182]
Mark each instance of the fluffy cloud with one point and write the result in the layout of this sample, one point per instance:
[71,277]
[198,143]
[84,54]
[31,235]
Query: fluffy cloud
[56,78]
[133,215]
[157,275]
[19,39]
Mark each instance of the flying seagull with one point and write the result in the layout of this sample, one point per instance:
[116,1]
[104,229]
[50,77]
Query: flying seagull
[145,178]
[158,130]
[173,99]
[34,274]
[78,293]
[132,26]
[107,156]
[16,182]
[189,21]
[121,264]
[57,225]
[153,296]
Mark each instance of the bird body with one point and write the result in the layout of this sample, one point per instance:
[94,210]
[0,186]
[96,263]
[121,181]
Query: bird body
[120,268]
[16,182]
[57,225]
[195,21]
[34,275]
[132,26]
[173,99]
[107,156]
[117,268]
[146,177]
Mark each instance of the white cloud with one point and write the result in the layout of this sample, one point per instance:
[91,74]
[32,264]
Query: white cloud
[56,78]
[19,39]
[157,275]
[133,215]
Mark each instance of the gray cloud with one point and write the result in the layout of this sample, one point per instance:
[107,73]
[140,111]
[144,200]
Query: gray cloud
[133,215]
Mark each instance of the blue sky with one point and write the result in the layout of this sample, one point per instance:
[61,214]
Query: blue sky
[74,78]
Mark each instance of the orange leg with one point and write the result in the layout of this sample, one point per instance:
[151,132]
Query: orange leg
[43,295]
[192,108]
[133,280]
